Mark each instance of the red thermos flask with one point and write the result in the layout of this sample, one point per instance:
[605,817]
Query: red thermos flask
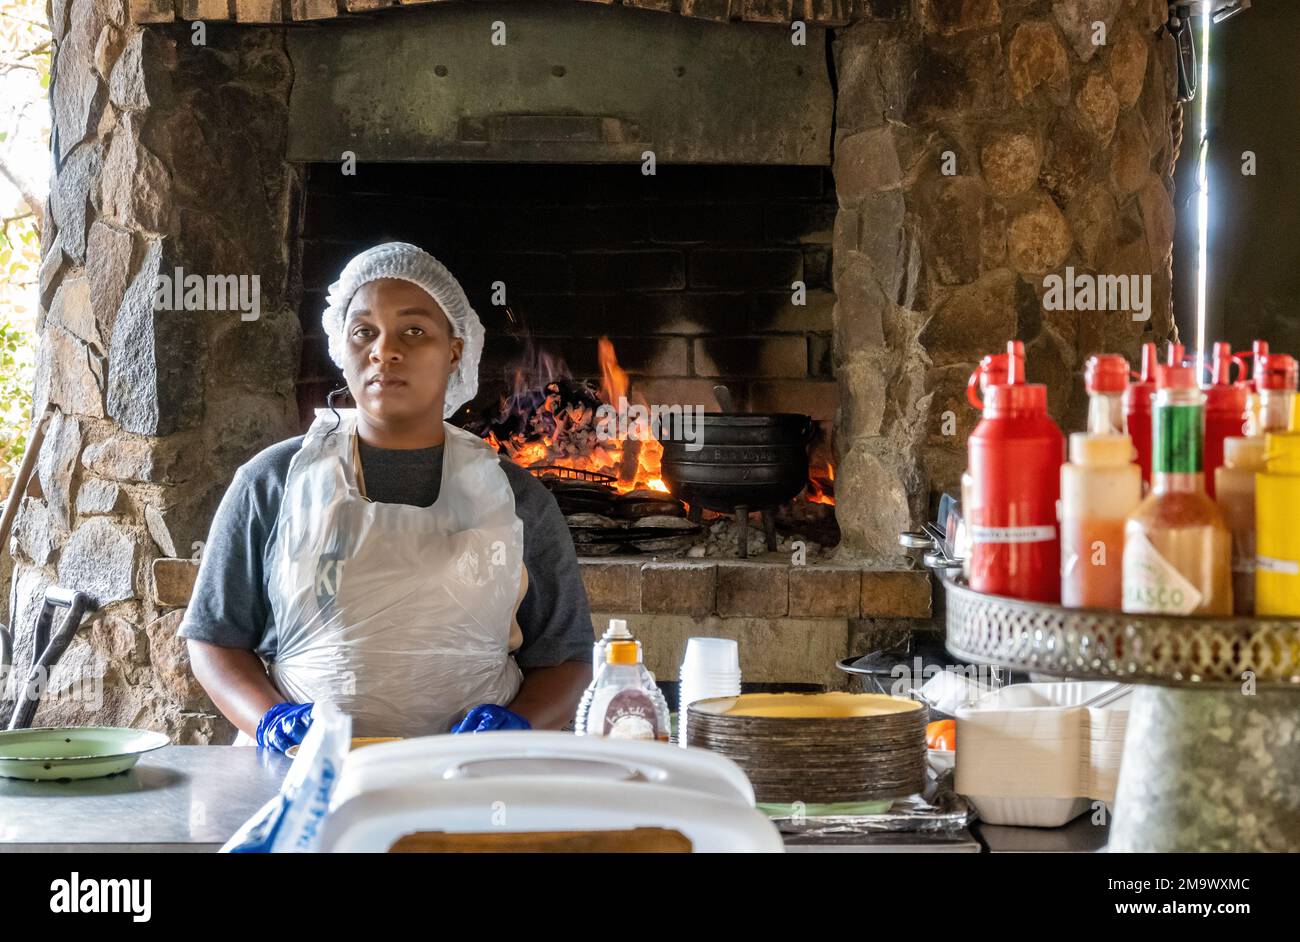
[1016,453]
[1137,409]
[1225,412]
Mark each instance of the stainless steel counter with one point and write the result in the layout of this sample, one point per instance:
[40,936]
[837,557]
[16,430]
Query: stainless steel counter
[179,798]
[193,798]
[1080,836]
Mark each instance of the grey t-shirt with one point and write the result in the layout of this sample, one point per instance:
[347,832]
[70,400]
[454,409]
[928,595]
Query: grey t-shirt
[230,605]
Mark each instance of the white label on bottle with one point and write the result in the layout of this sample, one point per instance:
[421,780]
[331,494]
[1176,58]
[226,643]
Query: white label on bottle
[1012,534]
[1151,583]
[1285,567]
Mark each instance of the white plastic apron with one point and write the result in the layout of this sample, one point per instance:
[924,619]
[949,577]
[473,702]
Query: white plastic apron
[400,615]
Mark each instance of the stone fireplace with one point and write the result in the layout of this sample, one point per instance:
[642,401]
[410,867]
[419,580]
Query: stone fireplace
[687,272]
[919,165]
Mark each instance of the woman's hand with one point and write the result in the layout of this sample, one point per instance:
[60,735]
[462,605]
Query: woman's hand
[284,725]
[487,717]
[236,681]
[548,697]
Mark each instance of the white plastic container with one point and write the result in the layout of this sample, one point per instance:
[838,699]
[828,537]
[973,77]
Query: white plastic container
[542,781]
[1028,754]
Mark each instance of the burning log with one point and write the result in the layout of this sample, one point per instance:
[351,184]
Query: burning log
[565,422]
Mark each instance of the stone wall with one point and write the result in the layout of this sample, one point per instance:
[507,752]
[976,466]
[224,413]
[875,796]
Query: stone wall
[981,146]
[170,154]
[166,154]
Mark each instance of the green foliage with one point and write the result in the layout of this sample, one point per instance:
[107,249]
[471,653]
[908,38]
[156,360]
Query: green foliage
[25,58]
[16,347]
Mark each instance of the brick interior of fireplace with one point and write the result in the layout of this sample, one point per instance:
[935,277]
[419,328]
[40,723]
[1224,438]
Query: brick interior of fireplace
[688,271]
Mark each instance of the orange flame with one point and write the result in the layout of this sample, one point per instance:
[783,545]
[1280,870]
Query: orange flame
[821,485]
[634,461]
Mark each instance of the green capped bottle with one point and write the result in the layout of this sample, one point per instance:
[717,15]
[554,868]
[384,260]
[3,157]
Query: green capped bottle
[1177,547]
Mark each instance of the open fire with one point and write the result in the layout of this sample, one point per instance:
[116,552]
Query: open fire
[549,418]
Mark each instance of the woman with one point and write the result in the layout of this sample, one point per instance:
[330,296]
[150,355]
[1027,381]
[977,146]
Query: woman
[378,561]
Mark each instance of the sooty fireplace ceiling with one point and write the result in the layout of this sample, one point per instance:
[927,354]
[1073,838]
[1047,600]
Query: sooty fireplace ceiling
[559,82]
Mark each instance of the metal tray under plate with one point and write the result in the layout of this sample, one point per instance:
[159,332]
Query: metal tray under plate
[1088,644]
[73,752]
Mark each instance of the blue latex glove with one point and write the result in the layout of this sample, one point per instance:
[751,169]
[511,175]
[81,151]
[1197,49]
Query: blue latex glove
[489,716]
[284,725]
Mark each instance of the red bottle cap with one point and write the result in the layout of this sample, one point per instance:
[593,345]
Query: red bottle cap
[1276,372]
[1175,377]
[1258,349]
[1137,400]
[996,370]
[1150,361]
[1106,373]
[1222,365]
[1177,354]
[1020,397]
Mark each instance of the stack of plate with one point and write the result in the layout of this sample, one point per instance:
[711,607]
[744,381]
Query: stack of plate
[817,748]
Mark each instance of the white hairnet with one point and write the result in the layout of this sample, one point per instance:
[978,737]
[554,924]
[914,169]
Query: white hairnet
[411,263]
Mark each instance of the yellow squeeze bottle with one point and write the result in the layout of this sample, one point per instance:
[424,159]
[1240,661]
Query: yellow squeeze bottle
[1277,537]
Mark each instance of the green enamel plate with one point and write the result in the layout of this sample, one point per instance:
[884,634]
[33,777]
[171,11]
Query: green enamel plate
[832,810]
[68,752]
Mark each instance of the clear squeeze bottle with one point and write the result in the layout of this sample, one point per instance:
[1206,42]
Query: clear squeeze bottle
[1235,493]
[1225,412]
[1246,376]
[1177,548]
[1100,486]
[1015,458]
[1276,375]
[626,702]
[617,631]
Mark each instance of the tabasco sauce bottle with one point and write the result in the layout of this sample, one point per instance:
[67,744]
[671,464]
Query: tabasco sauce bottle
[1177,547]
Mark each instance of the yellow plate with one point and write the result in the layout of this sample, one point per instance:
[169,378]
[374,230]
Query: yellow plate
[807,705]
[357,743]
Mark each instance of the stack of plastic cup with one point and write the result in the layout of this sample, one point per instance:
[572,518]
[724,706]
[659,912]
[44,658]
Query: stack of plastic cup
[711,669]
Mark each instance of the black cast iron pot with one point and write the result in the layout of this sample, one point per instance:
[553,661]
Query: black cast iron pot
[752,460]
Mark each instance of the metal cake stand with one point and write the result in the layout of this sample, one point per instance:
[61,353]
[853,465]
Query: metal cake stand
[1212,753]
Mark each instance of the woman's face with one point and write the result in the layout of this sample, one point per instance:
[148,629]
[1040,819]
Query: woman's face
[398,351]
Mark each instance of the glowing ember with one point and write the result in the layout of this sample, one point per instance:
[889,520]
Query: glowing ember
[552,419]
[821,485]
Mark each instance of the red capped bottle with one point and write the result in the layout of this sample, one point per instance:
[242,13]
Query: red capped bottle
[1137,409]
[1016,453]
[1225,412]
